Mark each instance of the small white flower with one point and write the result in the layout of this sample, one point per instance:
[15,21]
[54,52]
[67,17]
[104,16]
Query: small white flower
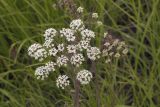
[108,60]
[111,53]
[87,34]
[95,15]
[68,33]
[71,48]
[50,33]
[41,54]
[48,43]
[77,59]
[114,48]
[115,43]
[110,47]
[93,53]
[125,51]
[50,66]
[119,47]
[62,61]
[84,44]
[77,25]
[41,72]
[37,51]
[33,48]
[105,52]
[84,76]
[107,44]
[122,43]
[70,38]
[62,81]
[99,23]
[117,55]
[60,47]
[105,34]
[80,9]
[53,51]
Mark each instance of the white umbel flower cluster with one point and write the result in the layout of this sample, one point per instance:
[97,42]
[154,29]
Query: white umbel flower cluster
[114,49]
[41,72]
[48,43]
[62,61]
[87,34]
[105,34]
[93,53]
[68,33]
[71,48]
[77,59]
[62,81]
[50,66]
[37,51]
[125,51]
[80,9]
[95,15]
[83,44]
[53,51]
[50,33]
[61,47]
[84,76]
[33,48]
[77,25]
[99,23]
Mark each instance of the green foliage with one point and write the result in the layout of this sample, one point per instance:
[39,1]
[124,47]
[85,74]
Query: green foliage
[132,81]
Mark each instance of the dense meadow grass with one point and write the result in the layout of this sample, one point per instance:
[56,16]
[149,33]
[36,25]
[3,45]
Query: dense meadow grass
[132,81]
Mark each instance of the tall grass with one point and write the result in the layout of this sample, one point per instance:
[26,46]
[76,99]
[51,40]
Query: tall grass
[130,82]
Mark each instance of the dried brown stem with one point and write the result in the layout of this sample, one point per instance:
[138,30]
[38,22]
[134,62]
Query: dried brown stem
[93,70]
[76,96]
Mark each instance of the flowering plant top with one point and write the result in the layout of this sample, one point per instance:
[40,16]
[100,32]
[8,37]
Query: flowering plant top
[71,47]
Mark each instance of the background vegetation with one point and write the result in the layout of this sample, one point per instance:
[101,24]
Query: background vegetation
[133,83]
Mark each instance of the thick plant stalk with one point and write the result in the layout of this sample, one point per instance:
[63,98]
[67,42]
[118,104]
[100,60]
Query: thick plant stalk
[71,7]
[93,70]
[97,91]
[76,95]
